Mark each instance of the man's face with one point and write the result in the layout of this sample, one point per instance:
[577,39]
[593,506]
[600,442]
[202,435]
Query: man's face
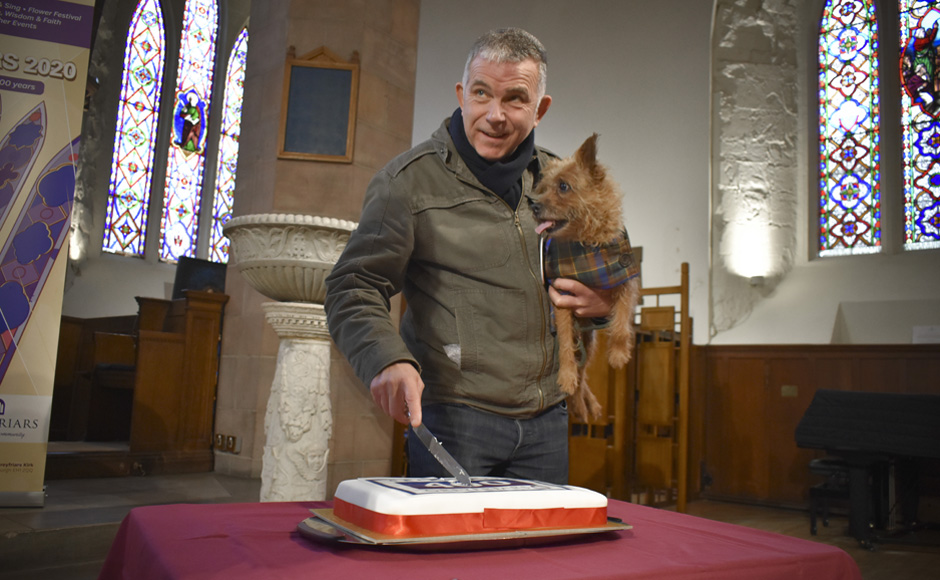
[500,105]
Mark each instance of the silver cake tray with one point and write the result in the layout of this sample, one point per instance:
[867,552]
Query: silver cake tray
[325,527]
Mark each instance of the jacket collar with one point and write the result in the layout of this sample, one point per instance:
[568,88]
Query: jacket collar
[446,151]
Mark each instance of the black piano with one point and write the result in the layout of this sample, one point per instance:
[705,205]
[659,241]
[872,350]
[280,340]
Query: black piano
[875,433]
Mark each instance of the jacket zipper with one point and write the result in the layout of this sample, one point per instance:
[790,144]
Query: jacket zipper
[541,296]
[518,224]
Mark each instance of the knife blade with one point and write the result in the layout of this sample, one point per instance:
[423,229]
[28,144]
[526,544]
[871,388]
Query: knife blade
[443,457]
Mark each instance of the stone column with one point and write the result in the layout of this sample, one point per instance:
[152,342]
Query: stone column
[299,420]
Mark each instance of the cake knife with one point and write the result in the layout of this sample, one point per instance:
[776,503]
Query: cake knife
[441,454]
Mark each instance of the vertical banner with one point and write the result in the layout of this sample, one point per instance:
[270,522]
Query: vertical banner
[44,49]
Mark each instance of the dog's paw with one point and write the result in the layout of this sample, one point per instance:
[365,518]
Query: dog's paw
[594,408]
[584,406]
[576,408]
[568,380]
[618,357]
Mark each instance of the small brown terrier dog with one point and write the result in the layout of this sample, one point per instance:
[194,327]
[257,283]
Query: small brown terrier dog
[578,207]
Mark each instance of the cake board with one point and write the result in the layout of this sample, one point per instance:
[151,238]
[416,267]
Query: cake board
[325,527]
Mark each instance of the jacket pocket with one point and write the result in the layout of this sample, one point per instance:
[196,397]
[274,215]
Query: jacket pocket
[467,237]
[491,329]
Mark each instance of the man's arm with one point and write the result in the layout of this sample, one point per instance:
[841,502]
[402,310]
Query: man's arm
[370,271]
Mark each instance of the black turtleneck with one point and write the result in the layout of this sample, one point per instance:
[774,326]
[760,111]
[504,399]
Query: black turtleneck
[503,176]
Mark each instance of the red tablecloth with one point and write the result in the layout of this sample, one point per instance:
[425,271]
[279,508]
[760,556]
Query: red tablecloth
[259,540]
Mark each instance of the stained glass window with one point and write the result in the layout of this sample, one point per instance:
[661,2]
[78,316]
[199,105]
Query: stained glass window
[849,109]
[187,152]
[228,147]
[920,122]
[132,163]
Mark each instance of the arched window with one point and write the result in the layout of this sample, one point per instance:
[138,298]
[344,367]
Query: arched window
[132,163]
[849,109]
[228,147]
[920,122]
[186,157]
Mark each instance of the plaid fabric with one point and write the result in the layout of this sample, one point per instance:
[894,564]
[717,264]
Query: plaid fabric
[606,266]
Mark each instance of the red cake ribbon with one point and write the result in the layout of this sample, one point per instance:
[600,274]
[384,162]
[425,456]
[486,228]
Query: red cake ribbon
[490,520]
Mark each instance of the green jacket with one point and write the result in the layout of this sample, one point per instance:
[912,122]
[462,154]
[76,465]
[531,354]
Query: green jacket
[478,319]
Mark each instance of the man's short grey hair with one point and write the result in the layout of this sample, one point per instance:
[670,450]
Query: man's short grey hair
[509,45]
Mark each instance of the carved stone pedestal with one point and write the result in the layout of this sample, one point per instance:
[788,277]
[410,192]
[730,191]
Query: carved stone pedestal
[287,257]
[298,421]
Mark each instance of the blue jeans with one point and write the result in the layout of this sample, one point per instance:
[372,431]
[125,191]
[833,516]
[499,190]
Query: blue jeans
[489,444]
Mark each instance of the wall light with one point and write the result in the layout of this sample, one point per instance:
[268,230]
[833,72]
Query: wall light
[748,249]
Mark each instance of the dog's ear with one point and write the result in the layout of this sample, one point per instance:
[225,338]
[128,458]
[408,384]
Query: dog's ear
[587,157]
[587,153]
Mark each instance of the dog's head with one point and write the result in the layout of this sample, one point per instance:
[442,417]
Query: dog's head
[576,200]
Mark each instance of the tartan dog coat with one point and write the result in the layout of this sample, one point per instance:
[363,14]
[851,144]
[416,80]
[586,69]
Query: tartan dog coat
[606,266]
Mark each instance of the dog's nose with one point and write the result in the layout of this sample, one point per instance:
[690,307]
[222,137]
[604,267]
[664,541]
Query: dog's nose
[534,205]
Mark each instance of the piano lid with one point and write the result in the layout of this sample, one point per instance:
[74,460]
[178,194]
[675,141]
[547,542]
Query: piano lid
[888,423]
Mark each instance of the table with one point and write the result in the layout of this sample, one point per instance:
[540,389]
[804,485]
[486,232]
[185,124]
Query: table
[259,540]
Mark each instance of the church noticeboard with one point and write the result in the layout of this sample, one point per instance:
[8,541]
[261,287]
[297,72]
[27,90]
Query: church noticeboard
[318,114]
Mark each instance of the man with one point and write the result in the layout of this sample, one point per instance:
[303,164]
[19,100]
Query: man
[475,359]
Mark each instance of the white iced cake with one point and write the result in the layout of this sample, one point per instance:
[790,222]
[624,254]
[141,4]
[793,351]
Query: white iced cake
[412,506]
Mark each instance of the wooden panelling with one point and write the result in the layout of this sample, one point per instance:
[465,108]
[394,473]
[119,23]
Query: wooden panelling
[786,400]
[200,368]
[754,397]
[734,414]
[152,313]
[157,393]
[67,361]
[164,404]
[174,394]
[74,363]
[697,427]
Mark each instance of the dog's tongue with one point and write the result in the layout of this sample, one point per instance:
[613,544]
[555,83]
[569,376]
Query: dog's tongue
[544,226]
